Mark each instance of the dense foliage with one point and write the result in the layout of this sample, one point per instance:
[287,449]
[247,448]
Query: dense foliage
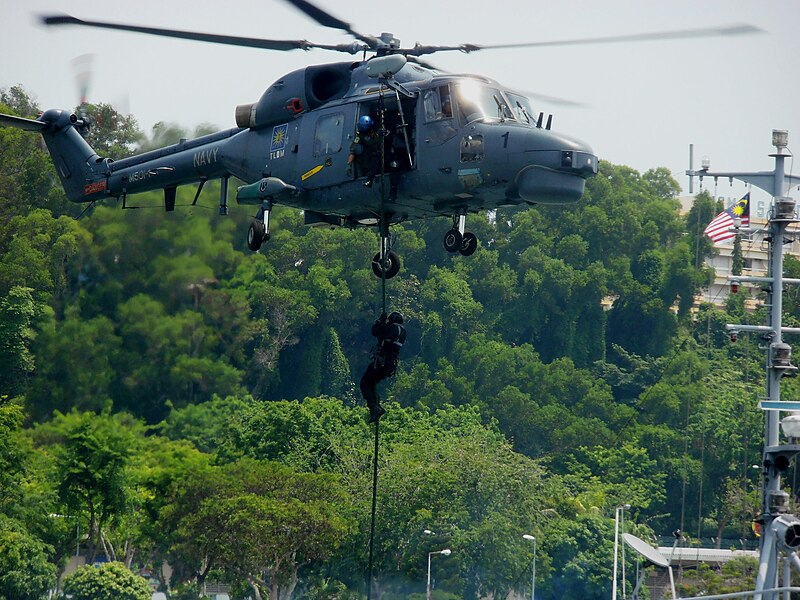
[176,398]
[110,581]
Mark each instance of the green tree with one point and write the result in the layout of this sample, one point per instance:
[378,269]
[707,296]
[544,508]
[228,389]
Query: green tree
[111,133]
[12,455]
[109,581]
[251,519]
[336,378]
[36,250]
[445,471]
[25,573]
[204,424]
[704,209]
[661,182]
[584,551]
[91,454]
[27,175]
[78,361]
[166,134]
[19,101]
[156,467]
[17,311]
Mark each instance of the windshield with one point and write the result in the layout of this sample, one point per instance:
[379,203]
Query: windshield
[521,107]
[477,101]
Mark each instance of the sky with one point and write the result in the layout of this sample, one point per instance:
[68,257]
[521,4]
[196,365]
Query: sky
[644,102]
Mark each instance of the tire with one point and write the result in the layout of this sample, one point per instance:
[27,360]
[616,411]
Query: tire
[469,244]
[392,265]
[452,240]
[255,235]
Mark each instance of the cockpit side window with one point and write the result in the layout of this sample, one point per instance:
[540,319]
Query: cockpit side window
[437,104]
[521,108]
[479,102]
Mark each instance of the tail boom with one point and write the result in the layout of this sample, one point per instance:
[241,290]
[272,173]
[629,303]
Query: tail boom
[87,177]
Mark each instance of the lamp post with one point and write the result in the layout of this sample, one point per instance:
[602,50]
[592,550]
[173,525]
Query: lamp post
[445,552]
[617,512]
[533,569]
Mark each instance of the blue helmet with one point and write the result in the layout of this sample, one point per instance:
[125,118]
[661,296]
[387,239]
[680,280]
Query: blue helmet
[365,123]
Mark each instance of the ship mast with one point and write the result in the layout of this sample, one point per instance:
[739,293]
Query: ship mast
[780,530]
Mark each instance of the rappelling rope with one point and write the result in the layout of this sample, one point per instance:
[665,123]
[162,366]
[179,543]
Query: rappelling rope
[374,510]
[384,257]
[384,251]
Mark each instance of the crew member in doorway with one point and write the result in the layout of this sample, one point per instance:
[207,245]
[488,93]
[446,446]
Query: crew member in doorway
[391,336]
[365,150]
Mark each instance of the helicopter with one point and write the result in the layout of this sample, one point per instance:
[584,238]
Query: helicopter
[449,144]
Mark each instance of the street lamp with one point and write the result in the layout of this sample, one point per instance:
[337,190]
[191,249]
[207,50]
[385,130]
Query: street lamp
[533,569]
[617,512]
[445,552]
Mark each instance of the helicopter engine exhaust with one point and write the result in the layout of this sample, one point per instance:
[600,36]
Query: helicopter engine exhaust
[316,84]
[246,115]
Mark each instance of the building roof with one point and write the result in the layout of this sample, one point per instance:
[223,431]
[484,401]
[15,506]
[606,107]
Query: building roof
[715,556]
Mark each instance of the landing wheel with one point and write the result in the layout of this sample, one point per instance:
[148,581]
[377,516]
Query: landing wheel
[469,244]
[452,240]
[256,235]
[391,265]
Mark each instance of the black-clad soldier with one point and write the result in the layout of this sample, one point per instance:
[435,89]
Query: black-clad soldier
[365,150]
[391,336]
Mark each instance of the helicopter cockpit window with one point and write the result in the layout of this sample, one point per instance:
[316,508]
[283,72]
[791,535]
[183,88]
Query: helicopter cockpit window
[436,103]
[328,135]
[521,107]
[477,102]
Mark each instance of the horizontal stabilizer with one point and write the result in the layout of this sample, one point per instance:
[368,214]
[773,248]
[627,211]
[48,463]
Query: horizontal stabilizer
[20,123]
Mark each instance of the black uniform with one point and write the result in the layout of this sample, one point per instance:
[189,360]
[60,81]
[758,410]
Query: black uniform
[391,336]
[366,151]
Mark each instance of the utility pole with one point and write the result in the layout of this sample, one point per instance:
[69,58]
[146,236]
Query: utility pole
[780,531]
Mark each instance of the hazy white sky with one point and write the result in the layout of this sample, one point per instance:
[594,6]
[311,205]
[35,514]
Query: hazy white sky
[646,101]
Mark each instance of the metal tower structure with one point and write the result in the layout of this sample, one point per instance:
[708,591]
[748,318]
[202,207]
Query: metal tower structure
[780,531]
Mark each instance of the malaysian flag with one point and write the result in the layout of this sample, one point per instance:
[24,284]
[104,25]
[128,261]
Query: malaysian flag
[719,228]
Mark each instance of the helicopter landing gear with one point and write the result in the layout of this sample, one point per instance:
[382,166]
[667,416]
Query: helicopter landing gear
[258,232]
[452,240]
[469,243]
[458,240]
[385,263]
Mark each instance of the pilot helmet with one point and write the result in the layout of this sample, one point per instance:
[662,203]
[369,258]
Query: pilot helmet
[395,317]
[365,123]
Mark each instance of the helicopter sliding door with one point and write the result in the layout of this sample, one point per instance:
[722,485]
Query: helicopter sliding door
[325,161]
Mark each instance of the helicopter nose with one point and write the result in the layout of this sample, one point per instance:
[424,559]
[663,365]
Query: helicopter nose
[556,170]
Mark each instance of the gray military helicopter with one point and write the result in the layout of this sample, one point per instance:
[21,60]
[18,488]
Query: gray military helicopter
[449,144]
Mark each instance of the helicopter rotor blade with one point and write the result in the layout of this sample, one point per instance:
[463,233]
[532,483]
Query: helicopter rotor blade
[328,20]
[554,100]
[425,64]
[230,40]
[728,30]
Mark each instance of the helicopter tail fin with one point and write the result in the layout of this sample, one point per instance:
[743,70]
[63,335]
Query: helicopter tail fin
[82,172]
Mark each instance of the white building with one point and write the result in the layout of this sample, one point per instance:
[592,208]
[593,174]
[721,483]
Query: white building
[755,251]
